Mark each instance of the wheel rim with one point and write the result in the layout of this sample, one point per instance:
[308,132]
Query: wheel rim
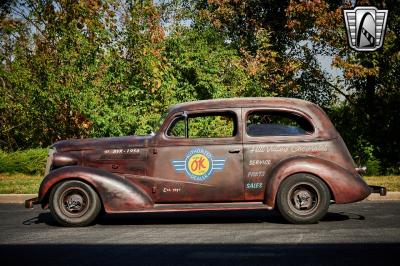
[74,202]
[303,198]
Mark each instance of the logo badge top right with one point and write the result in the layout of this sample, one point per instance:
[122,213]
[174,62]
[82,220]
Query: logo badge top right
[365,27]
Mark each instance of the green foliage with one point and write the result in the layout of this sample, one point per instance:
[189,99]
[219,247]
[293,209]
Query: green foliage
[211,126]
[367,157]
[32,161]
[373,167]
[88,72]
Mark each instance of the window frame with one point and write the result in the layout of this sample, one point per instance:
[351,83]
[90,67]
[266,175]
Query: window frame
[163,140]
[172,123]
[277,138]
[203,113]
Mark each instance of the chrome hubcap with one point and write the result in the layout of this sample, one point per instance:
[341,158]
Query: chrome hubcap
[74,202]
[303,198]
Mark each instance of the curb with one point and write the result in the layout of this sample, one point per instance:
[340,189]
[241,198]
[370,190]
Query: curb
[15,198]
[389,196]
[20,198]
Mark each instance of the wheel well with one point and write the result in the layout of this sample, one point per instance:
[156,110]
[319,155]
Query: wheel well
[46,198]
[307,173]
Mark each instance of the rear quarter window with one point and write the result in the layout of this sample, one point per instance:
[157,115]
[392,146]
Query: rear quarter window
[276,123]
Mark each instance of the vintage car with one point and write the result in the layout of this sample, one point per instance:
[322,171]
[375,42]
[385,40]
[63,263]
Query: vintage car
[224,154]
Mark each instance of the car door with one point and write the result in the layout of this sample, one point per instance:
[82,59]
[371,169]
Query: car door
[199,158]
[271,135]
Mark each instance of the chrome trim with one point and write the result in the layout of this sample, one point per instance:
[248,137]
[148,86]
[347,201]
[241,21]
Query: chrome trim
[49,161]
[361,170]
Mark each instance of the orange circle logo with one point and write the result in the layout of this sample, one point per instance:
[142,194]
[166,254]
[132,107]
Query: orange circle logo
[198,164]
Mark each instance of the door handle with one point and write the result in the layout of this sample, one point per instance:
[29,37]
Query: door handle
[234,151]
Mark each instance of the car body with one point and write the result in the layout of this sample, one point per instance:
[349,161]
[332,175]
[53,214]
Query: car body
[224,154]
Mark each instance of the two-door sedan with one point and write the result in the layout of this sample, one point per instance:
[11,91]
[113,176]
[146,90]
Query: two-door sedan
[225,154]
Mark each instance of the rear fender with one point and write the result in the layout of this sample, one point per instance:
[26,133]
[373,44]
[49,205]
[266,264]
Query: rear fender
[116,193]
[346,187]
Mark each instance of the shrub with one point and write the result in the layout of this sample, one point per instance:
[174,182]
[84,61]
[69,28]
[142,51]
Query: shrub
[373,167]
[32,161]
[365,156]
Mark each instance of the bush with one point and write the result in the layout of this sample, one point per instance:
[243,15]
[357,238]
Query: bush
[373,167]
[32,161]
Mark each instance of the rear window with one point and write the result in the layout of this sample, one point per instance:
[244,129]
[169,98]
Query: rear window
[272,123]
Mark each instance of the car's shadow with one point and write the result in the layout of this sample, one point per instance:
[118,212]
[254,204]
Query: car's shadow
[205,217]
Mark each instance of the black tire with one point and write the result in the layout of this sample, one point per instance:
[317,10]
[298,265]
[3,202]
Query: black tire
[74,203]
[303,199]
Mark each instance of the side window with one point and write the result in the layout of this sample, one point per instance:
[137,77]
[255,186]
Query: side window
[177,128]
[218,125]
[208,125]
[272,123]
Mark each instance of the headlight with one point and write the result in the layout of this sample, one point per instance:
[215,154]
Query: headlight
[49,161]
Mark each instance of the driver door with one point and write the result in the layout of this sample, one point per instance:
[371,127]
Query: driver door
[200,158]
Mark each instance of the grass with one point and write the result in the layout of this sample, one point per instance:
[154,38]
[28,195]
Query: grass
[28,184]
[19,183]
[392,183]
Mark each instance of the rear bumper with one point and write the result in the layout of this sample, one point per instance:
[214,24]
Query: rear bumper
[30,202]
[378,189]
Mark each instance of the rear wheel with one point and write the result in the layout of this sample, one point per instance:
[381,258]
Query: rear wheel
[303,199]
[74,203]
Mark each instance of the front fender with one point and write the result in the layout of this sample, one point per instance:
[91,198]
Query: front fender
[116,193]
[345,186]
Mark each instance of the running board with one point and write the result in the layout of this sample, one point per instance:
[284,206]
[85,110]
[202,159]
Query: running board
[194,207]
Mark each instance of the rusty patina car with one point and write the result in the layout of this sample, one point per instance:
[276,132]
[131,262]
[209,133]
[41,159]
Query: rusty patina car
[226,154]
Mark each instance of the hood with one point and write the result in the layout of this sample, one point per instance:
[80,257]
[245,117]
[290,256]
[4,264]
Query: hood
[102,143]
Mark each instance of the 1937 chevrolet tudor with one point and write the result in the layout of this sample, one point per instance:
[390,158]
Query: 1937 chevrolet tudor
[226,154]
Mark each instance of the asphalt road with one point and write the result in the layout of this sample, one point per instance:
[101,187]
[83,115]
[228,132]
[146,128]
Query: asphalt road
[354,234]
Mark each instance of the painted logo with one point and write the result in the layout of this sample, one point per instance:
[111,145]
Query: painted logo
[199,164]
[365,27]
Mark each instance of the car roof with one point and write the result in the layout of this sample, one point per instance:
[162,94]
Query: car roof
[322,124]
[243,102]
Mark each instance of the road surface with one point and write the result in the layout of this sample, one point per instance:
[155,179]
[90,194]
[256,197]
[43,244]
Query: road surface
[353,234]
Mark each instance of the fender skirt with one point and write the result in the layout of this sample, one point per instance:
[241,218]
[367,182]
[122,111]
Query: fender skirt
[116,193]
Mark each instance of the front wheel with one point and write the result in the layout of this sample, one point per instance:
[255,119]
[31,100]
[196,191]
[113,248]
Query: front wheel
[303,199]
[74,203]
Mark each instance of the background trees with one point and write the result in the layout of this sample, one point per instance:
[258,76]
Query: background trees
[112,67]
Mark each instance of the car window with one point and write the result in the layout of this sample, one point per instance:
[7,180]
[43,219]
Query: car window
[209,125]
[177,128]
[212,126]
[272,123]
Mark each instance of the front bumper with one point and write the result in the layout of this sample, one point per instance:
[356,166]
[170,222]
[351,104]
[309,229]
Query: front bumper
[30,202]
[378,189]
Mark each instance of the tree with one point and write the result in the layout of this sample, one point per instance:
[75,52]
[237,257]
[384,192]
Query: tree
[112,67]
[368,85]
